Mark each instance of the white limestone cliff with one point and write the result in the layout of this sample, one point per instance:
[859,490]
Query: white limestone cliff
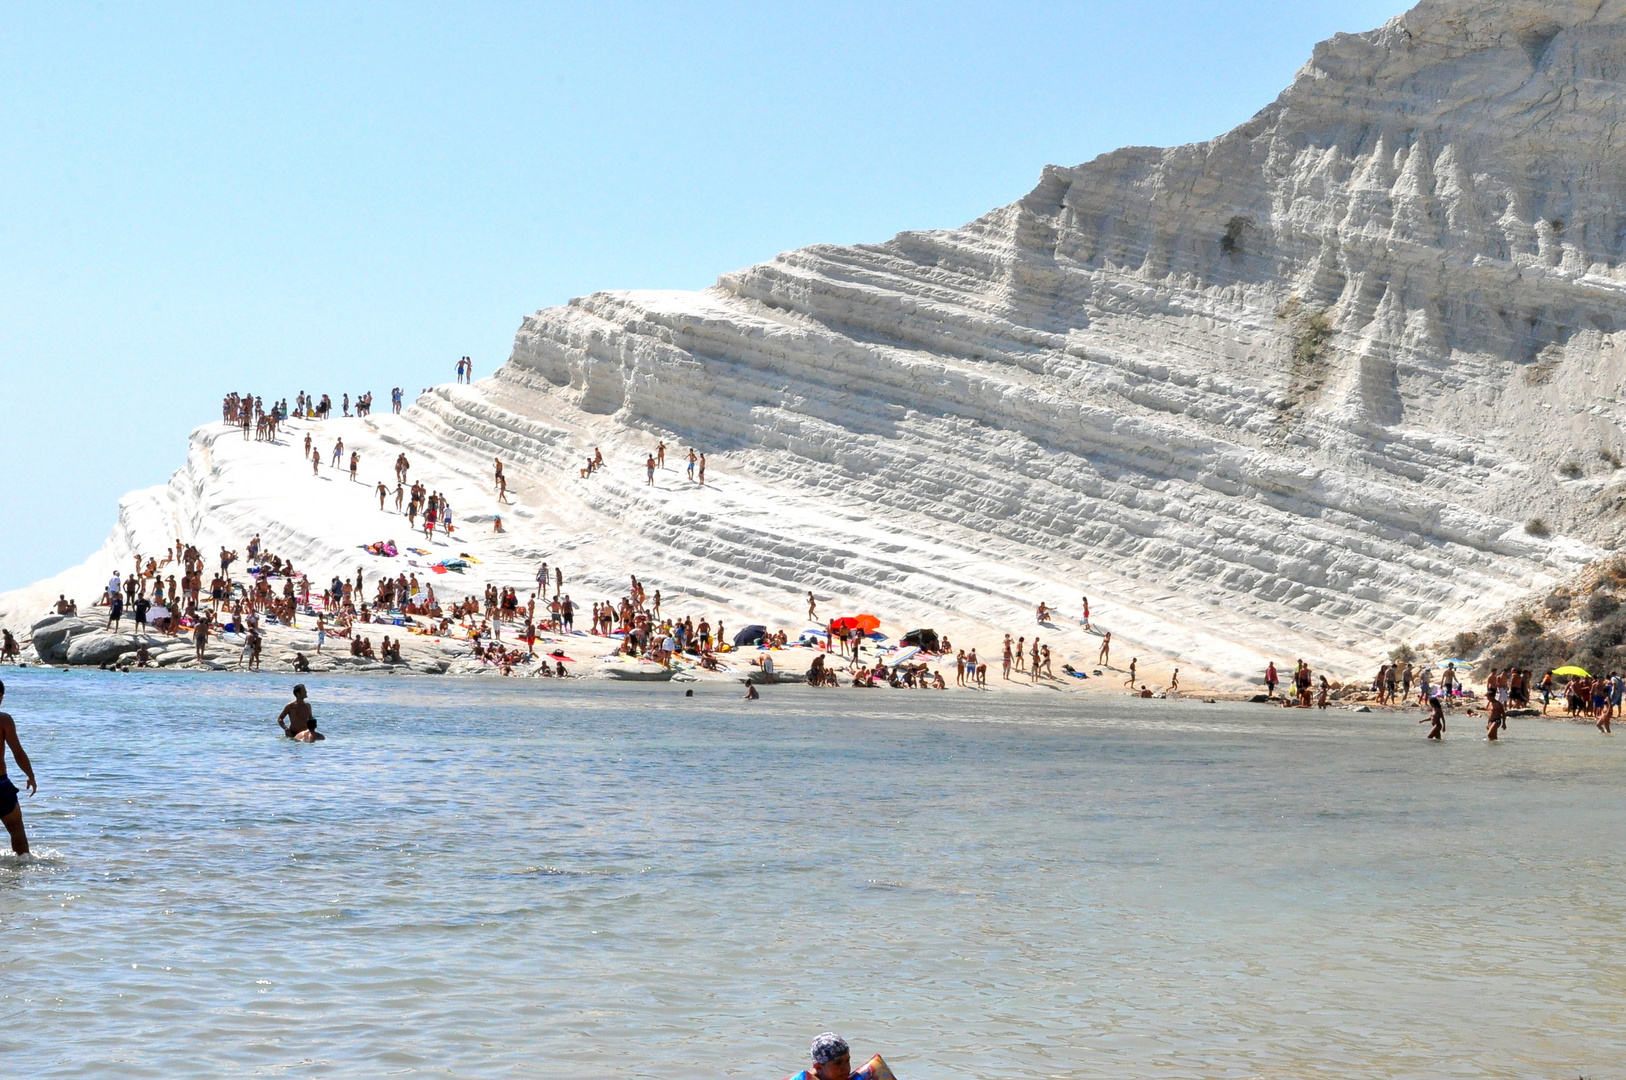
[1298,390]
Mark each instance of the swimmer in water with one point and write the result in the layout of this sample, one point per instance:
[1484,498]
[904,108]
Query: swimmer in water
[1435,718]
[832,1060]
[11,814]
[310,734]
[295,717]
[751,692]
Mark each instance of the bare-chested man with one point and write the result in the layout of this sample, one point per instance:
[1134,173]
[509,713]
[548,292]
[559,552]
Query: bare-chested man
[11,814]
[383,493]
[295,716]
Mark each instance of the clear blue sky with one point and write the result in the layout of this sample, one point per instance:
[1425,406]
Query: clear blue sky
[348,197]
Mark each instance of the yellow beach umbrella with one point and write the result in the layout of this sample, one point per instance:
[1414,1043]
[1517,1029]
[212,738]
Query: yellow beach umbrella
[1580,673]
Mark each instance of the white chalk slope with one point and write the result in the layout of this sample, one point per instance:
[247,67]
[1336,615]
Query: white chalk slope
[1294,391]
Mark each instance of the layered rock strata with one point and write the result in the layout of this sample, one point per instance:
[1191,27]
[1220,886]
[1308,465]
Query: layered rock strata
[1347,375]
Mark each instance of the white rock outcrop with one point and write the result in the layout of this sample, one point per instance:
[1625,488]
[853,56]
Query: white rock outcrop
[1296,390]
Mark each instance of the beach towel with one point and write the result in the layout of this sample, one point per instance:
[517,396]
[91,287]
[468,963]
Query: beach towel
[420,551]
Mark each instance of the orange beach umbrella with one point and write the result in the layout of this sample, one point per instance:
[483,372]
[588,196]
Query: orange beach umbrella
[867,623]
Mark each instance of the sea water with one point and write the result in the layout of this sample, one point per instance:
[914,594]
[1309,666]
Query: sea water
[491,879]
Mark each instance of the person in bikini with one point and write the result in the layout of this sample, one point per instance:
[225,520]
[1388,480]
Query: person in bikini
[11,814]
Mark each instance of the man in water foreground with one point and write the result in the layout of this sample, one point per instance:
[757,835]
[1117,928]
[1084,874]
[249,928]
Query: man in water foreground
[10,813]
[295,719]
[833,1061]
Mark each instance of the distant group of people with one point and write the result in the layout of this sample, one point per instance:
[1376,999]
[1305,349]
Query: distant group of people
[1303,684]
[1596,698]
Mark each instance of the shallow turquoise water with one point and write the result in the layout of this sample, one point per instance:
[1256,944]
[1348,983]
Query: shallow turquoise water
[481,879]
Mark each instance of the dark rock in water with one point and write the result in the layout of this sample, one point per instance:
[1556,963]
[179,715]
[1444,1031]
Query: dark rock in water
[81,641]
[1260,699]
[99,647]
[1524,712]
[52,634]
